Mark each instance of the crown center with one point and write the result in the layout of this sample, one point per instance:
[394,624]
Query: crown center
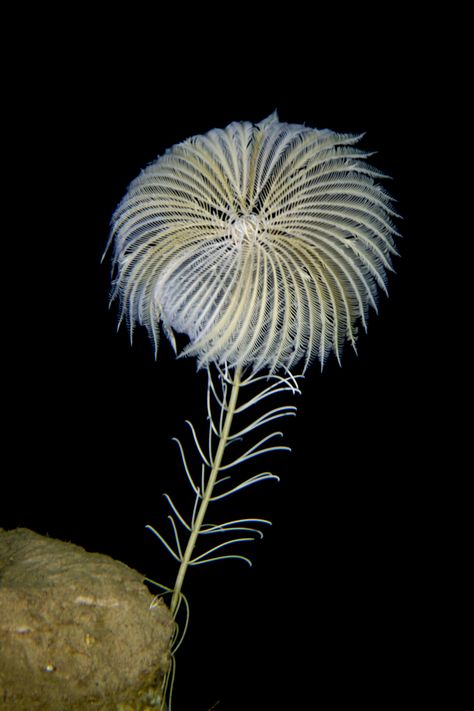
[245,229]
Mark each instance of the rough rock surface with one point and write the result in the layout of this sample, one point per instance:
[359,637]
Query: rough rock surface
[78,630]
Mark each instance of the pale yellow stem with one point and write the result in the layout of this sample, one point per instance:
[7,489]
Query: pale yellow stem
[208,491]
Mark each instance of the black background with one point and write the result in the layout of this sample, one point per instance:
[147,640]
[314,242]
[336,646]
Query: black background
[338,605]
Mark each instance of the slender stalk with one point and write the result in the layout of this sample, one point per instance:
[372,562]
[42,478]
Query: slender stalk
[223,440]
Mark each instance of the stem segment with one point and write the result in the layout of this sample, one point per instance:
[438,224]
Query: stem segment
[223,439]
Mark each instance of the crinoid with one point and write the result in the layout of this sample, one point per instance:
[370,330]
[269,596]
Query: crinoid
[265,244]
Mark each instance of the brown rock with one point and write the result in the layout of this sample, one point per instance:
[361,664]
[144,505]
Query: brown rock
[78,630]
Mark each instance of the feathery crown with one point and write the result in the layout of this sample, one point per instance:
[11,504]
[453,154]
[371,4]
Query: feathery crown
[264,243]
